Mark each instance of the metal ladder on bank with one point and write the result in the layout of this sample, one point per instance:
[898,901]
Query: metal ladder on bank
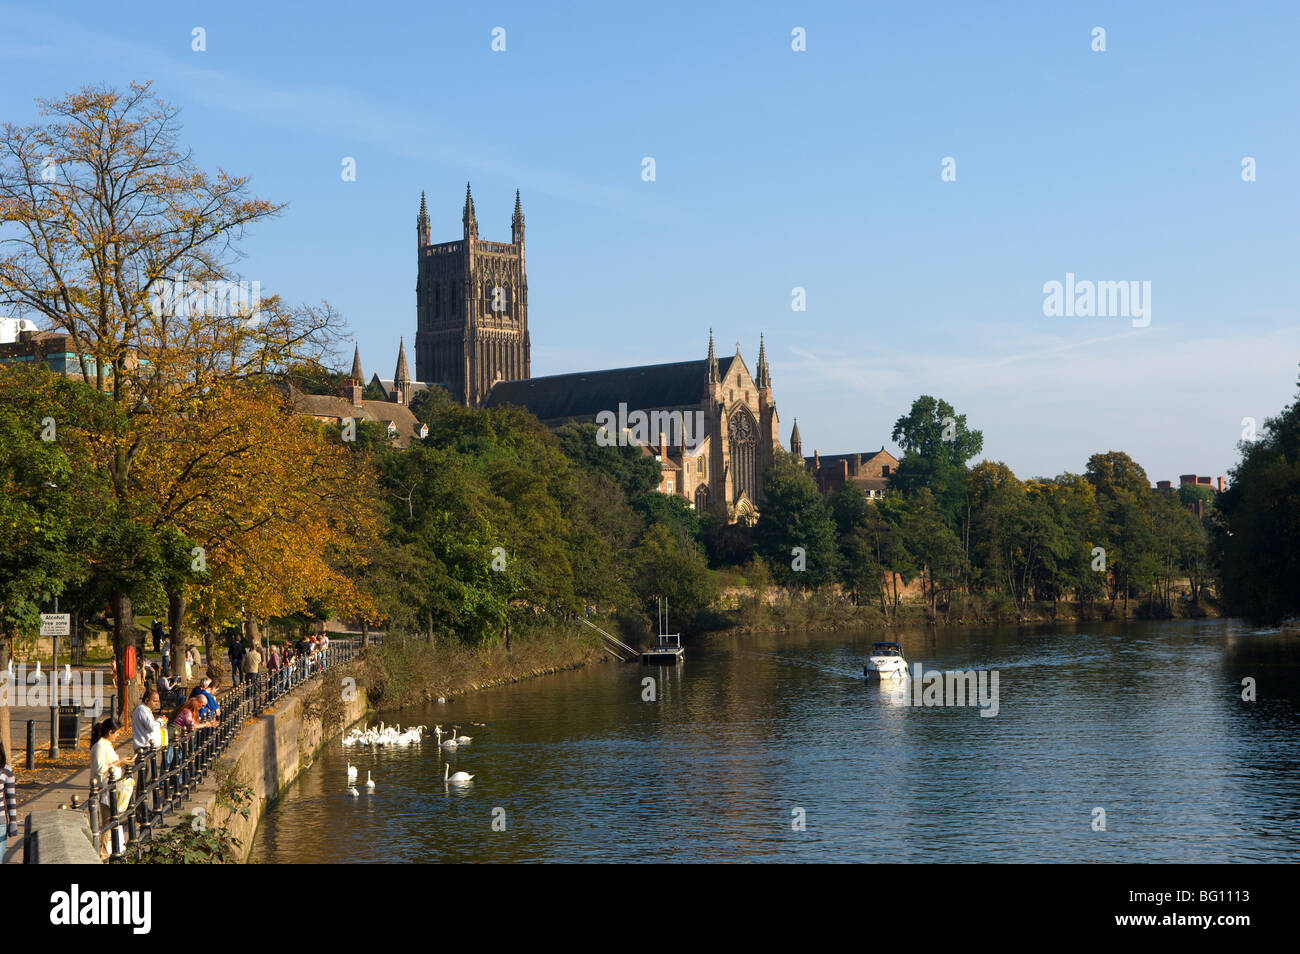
[616,648]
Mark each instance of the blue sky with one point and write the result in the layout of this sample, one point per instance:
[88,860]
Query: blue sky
[776,169]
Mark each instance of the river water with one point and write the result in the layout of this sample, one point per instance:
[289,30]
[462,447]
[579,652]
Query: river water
[774,748]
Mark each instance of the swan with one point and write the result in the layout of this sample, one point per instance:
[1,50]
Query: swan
[460,739]
[458,777]
[352,790]
[352,772]
[370,782]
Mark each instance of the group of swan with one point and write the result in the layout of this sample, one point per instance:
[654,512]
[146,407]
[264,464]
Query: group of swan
[393,735]
[352,778]
[453,740]
[385,735]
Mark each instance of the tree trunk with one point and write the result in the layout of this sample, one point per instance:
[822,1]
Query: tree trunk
[215,668]
[176,603]
[123,636]
[365,632]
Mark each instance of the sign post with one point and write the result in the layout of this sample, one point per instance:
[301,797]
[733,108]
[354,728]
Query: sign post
[55,624]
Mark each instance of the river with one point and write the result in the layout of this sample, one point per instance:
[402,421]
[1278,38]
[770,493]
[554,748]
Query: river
[774,748]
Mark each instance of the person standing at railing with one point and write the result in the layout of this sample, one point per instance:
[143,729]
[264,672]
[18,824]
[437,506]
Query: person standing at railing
[8,803]
[252,663]
[167,656]
[206,693]
[146,730]
[187,716]
[106,768]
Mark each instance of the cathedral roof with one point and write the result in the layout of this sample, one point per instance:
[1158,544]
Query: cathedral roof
[585,394]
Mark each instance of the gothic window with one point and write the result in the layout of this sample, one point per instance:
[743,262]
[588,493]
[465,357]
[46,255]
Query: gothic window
[702,498]
[743,434]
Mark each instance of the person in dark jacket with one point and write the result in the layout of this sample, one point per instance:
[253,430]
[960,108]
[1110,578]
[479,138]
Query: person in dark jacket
[236,659]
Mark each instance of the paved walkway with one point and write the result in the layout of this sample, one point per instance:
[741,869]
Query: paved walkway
[76,784]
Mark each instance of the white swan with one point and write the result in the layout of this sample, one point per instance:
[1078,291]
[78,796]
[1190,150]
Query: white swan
[352,790]
[352,772]
[458,777]
[460,739]
[370,782]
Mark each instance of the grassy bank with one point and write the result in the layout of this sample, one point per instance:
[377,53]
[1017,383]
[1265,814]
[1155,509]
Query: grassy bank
[405,671]
[829,611]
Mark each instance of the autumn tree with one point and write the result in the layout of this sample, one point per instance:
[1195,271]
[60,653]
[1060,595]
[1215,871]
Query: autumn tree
[111,233]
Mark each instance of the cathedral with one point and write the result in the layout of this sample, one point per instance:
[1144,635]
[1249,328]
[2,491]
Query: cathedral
[710,423]
[471,305]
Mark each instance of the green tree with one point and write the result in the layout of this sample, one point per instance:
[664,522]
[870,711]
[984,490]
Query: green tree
[1257,539]
[670,566]
[933,545]
[53,499]
[1124,521]
[795,528]
[936,444]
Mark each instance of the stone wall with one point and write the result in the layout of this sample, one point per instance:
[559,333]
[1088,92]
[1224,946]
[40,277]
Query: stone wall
[272,749]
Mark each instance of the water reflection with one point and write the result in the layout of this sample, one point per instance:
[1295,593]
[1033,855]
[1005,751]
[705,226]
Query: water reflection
[1144,720]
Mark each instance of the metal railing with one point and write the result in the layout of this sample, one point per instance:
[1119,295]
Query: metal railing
[163,780]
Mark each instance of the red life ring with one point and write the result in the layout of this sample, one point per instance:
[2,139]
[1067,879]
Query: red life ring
[129,662]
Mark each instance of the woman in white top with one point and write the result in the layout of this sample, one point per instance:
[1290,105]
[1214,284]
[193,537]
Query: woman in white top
[189,663]
[105,766]
[104,763]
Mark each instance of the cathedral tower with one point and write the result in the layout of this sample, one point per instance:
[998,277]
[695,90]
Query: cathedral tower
[471,302]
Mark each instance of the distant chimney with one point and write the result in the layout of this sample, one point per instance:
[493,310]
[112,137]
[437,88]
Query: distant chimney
[1187,478]
[1222,486]
[1204,480]
[855,461]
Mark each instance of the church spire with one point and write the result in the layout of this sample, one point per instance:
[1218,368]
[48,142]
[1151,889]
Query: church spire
[796,443]
[469,220]
[764,379]
[713,377]
[517,221]
[422,222]
[402,377]
[356,376]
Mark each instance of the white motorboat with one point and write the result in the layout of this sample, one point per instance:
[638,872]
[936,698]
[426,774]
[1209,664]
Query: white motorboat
[886,662]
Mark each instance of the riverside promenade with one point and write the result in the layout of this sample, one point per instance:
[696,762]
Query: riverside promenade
[184,777]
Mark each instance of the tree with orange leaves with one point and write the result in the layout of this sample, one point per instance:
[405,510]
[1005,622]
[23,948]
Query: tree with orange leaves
[112,234]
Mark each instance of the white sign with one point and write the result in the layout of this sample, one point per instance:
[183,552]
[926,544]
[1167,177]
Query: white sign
[56,624]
